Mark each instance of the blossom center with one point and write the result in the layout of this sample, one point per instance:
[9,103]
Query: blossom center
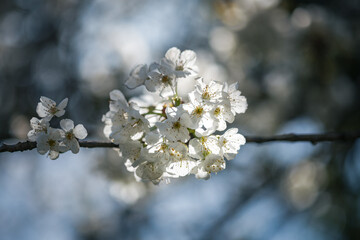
[203,139]
[216,166]
[53,110]
[206,94]
[217,111]
[163,147]
[179,68]
[165,79]
[176,125]
[51,142]
[198,110]
[69,135]
[205,153]
[136,123]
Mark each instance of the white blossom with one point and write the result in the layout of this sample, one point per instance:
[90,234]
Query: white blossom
[130,152]
[118,114]
[238,102]
[47,108]
[38,126]
[157,147]
[230,143]
[172,154]
[137,76]
[117,100]
[222,114]
[150,171]
[166,136]
[50,143]
[131,126]
[212,163]
[174,127]
[162,80]
[200,148]
[209,93]
[180,163]
[181,63]
[199,114]
[72,134]
[52,140]
[123,122]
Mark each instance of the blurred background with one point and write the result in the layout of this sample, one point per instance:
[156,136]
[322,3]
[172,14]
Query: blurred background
[297,62]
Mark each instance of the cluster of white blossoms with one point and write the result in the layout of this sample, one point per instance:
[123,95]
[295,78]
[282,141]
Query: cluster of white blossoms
[174,137]
[54,141]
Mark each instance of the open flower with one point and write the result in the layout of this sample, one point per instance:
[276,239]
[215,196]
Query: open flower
[50,143]
[131,125]
[139,75]
[222,114]
[47,108]
[238,102]
[230,143]
[161,79]
[150,171]
[38,126]
[72,134]
[200,148]
[211,164]
[130,152]
[174,127]
[181,63]
[209,93]
[180,163]
[199,115]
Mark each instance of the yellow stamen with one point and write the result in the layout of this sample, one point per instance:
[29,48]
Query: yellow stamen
[51,142]
[176,125]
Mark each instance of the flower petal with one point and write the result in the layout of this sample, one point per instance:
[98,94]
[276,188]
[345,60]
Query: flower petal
[80,131]
[56,134]
[200,174]
[47,102]
[63,104]
[173,54]
[34,122]
[137,76]
[74,146]
[32,135]
[53,154]
[117,95]
[60,113]
[188,56]
[42,111]
[67,124]
[41,144]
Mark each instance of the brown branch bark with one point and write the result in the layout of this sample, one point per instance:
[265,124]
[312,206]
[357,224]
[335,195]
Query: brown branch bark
[313,138]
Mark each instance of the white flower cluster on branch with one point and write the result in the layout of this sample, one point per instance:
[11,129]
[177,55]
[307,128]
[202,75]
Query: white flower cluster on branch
[54,141]
[174,136]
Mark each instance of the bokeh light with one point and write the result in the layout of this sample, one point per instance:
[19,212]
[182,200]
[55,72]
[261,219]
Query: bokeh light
[297,62]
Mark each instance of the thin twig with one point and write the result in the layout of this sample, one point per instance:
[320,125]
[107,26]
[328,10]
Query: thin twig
[24,146]
[313,138]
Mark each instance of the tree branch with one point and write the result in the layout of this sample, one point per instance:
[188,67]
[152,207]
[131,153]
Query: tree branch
[24,146]
[313,138]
